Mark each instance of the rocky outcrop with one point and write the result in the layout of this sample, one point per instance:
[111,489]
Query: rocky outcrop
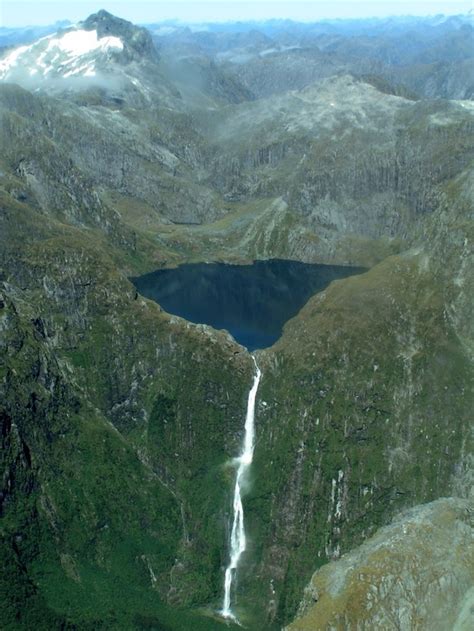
[138,41]
[78,154]
[413,574]
[320,144]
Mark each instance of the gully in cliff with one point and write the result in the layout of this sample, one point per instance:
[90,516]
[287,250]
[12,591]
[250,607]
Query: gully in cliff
[237,538]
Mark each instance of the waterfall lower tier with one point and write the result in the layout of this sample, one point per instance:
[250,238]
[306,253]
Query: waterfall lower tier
[237,538]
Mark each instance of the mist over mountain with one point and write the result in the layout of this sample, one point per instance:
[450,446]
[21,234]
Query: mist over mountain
[132,496]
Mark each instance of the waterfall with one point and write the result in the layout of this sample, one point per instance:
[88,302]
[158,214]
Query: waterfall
[237,538]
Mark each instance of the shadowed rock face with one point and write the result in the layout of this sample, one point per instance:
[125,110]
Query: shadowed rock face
[415,573]
[137,40]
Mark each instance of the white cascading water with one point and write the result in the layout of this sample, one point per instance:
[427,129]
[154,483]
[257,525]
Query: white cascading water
[237,538]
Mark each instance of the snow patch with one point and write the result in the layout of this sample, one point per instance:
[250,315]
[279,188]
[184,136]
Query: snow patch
[69,54]
[82,42]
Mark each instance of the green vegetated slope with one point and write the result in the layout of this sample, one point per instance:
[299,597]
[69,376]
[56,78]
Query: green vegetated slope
[117,422]
[80,512]
[365,407]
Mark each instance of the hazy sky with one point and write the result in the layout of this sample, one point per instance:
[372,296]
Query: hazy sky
[38,12]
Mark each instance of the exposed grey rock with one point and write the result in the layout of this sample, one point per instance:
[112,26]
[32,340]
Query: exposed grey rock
[137,40]
[416,573]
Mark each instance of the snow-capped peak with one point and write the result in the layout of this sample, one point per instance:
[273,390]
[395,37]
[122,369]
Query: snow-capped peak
[66,54]
[81,42]
[103,58]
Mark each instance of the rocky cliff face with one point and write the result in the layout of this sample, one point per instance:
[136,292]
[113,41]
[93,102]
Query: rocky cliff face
[138,43]
[414,574]
[355,167]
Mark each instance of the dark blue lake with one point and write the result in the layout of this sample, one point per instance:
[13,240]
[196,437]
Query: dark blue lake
[252,302]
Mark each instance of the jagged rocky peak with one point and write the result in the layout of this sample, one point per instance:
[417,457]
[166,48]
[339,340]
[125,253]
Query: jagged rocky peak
[98,44]
[137,41]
